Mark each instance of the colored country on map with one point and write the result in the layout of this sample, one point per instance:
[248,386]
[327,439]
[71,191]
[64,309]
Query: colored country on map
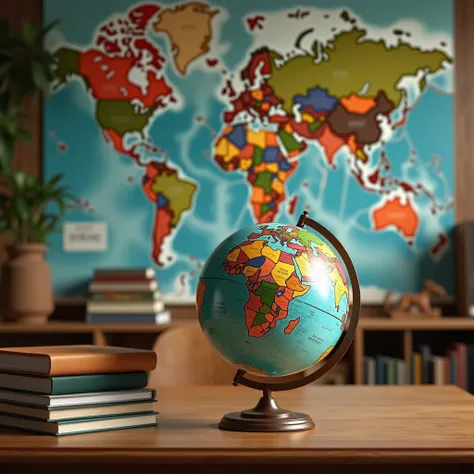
[276,277]
[172,196]
[393,213]
[291,325]
[189,28]
[266,157]
[353,63]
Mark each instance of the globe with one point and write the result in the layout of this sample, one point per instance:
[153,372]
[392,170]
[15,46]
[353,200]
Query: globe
[273,299]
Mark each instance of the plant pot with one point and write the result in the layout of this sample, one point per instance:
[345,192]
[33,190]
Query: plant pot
[27,293]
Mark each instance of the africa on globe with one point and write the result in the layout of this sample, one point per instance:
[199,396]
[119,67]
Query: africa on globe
[273,299]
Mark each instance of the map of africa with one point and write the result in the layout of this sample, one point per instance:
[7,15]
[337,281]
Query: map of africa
[179,123]
[273,299]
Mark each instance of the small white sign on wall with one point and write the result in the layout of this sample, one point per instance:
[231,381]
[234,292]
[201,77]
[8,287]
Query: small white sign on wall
[85,237]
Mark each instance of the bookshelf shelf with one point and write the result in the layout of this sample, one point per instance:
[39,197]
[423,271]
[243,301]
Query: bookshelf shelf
[406,328]
[140,336]
[446,323]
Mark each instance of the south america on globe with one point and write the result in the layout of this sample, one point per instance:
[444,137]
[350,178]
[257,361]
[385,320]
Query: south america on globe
[273,299]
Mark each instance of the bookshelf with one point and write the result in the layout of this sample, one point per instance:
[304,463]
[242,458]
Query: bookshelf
[406,328]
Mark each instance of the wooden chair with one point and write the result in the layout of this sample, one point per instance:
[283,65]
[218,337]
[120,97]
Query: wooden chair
[185,357]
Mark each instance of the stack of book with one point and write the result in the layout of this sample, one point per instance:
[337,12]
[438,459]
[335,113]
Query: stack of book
[61,390]
[127,295]
[455,366]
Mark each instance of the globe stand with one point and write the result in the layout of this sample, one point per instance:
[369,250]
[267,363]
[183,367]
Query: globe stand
[266,416]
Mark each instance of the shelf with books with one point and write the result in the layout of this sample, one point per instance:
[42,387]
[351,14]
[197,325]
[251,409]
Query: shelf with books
[414,351]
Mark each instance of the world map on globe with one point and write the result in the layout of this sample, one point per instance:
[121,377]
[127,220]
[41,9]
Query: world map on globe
[179,123]
[273,299]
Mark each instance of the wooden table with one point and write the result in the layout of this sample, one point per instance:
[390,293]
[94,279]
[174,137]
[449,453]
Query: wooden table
[427,429]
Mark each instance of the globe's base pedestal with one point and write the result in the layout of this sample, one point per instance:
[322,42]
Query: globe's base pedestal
[266,417]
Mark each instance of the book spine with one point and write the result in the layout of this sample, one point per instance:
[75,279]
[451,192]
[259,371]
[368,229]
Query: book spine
[401,372]
[103,363]
[418,369]
[125,272]
[371,371]
[98,383]
[116,296]
[447,370]
[125,307]
[379,370]
[461,375]
[453,369]
[426,365]
[123,318]
[470,368]
[391,371]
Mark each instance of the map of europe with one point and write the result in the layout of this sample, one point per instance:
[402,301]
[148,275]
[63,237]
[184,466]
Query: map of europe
[179,123]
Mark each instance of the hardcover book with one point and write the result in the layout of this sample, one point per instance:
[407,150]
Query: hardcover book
[75,360]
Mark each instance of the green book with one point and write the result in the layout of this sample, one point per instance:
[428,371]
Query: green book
[391,371]
[65,385]
[81,425]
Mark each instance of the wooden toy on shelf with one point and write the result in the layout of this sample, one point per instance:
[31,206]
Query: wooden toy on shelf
[415,305]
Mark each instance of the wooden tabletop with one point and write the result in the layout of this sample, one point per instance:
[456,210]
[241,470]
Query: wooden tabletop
[354,424]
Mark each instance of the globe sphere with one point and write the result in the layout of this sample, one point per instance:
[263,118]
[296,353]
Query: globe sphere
[273,299]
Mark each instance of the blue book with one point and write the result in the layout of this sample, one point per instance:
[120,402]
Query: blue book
[164,317]
[453,370]
[425,364]
[380,369]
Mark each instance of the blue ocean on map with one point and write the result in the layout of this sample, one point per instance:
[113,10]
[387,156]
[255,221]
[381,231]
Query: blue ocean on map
[394,250]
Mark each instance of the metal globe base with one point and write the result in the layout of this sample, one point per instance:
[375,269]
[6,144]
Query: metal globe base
[266,416]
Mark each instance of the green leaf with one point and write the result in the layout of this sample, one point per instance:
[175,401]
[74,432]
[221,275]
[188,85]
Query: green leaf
[54,180]
[19,179]
[21,208]
[48,28]
[40,77]
[29,32]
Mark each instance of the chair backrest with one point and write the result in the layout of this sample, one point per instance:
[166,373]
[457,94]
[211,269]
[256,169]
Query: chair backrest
[185,357]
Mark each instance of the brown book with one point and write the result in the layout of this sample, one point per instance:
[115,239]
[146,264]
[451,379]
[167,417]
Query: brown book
[75,360]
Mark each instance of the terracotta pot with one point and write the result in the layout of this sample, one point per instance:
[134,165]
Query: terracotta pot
[27,293]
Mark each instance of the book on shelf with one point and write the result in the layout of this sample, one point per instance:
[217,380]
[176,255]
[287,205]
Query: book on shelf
[123,286]
[122,272]
[161,318]
[126,296]
[455,366]
[116,296]
[61,390]
[121,307]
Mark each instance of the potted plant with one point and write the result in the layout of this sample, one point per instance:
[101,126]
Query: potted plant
[30,207]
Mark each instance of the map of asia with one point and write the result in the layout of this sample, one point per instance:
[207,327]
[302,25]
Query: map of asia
[177,124]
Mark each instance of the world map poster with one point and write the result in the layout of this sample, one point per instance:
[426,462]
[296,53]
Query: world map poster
[177,124]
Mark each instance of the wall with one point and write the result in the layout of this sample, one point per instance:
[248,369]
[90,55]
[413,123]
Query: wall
[29,156]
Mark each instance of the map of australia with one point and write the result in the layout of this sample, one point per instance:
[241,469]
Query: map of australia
[327,110]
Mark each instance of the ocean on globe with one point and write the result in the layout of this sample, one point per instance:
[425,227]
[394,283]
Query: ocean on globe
[273,299]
